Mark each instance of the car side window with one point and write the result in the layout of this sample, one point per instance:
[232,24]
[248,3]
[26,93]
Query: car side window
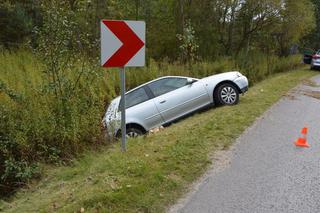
[166,85]
[136,97]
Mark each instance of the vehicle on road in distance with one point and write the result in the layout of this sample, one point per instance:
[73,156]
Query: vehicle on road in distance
[307,59]
[315,62]
[307,55]
[166,99]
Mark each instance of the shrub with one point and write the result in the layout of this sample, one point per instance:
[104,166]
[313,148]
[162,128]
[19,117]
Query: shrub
[15,170]
[35,126]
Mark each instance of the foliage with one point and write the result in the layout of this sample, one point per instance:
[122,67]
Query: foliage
[14,169]
[17,21]
[222,27]
[35,125]
[189,46]
[157,169]
[313,39]
[287,35]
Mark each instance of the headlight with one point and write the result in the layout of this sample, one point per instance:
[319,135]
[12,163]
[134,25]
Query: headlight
[238,74]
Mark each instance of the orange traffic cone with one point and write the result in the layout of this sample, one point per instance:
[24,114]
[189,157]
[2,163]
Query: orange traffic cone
[302,142]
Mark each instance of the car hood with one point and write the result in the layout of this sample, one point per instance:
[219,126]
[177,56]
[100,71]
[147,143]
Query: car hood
[223,76]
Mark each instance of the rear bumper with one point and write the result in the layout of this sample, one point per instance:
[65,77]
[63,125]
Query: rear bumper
[315,64]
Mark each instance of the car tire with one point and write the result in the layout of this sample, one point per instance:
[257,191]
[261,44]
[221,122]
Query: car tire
[226,94]
[133,132]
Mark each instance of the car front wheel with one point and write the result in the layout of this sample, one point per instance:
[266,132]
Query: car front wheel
[227,94]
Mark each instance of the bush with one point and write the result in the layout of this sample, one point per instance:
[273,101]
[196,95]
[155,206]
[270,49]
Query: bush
[14,169]
[257,66]
[35,126]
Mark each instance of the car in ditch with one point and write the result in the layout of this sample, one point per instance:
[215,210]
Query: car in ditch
[166,99]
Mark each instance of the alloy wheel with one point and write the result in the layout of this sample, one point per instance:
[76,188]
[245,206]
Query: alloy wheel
[228,95]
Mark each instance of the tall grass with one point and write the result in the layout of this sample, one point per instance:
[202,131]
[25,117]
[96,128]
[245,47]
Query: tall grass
[35,127]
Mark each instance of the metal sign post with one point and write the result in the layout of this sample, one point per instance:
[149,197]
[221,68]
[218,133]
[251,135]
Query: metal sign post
[123,45]
[123,109]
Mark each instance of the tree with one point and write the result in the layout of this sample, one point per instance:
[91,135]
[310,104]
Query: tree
[313,39]
[222,27]
[189,46]
[297,19]
[17,21]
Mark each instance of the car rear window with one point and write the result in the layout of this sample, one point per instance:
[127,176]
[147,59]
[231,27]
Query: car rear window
[135,97]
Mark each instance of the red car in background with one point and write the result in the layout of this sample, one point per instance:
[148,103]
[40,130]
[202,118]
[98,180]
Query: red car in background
[315,62]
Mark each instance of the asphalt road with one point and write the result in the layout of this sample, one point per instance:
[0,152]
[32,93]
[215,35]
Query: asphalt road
[265,171]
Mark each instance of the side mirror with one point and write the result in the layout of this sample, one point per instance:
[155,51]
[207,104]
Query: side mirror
[190,81]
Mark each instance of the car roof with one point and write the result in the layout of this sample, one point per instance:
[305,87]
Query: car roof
[169,76]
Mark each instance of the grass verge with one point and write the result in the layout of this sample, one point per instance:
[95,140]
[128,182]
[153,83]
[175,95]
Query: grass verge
[157,169]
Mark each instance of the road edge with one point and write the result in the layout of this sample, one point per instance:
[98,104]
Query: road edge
[221,159]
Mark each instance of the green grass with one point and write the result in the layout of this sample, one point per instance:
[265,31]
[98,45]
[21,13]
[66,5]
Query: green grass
[43,120]
[156,169]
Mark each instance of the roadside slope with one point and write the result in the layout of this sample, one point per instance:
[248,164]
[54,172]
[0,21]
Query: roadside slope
[266,171]
[157,169]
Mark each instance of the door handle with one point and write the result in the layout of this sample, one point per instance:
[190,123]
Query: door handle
[162,102]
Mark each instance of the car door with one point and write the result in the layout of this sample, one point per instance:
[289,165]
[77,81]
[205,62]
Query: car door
[174,97]
[141,109]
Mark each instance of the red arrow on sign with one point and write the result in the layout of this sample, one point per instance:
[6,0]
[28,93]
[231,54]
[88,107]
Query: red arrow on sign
[131,43]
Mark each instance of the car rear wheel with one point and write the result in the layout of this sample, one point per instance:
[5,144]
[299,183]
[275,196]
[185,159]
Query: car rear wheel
[226,94]
[133,132]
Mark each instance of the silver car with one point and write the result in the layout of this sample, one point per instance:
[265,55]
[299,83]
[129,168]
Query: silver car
[169,98]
